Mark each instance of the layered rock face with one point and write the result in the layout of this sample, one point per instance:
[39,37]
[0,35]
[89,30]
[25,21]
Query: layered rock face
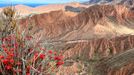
[95,21]
[104,47]
[99,31]
[46,18]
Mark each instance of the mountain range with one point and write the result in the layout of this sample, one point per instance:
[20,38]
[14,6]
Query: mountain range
[99,35]
[96,32]
[27,10]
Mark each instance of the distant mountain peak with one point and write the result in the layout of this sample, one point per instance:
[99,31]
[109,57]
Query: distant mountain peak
[129,3]
[22,6]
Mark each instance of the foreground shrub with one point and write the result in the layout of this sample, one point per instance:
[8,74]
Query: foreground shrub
[21,58]
[21,54]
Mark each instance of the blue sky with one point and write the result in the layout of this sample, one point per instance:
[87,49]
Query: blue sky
[39,1]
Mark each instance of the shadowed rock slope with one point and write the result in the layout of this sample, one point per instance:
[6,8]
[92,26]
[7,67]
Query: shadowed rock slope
[121,64]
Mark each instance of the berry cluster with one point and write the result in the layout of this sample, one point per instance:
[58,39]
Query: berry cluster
[19,57]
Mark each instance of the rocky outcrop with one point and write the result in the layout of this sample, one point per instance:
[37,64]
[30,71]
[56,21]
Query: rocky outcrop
[104,47]
[74,9]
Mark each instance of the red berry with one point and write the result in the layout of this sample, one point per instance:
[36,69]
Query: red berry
[12,61]
[3,46]
[50,51]
[5,61]
[12,49]
[8,67]
[58,58]
[59,63]
[42,56]
[5,49]
[1,57]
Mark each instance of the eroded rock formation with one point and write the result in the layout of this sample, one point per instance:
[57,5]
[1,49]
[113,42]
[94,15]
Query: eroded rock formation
[104,47]
[99,31]
[56,25]
[121,64]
